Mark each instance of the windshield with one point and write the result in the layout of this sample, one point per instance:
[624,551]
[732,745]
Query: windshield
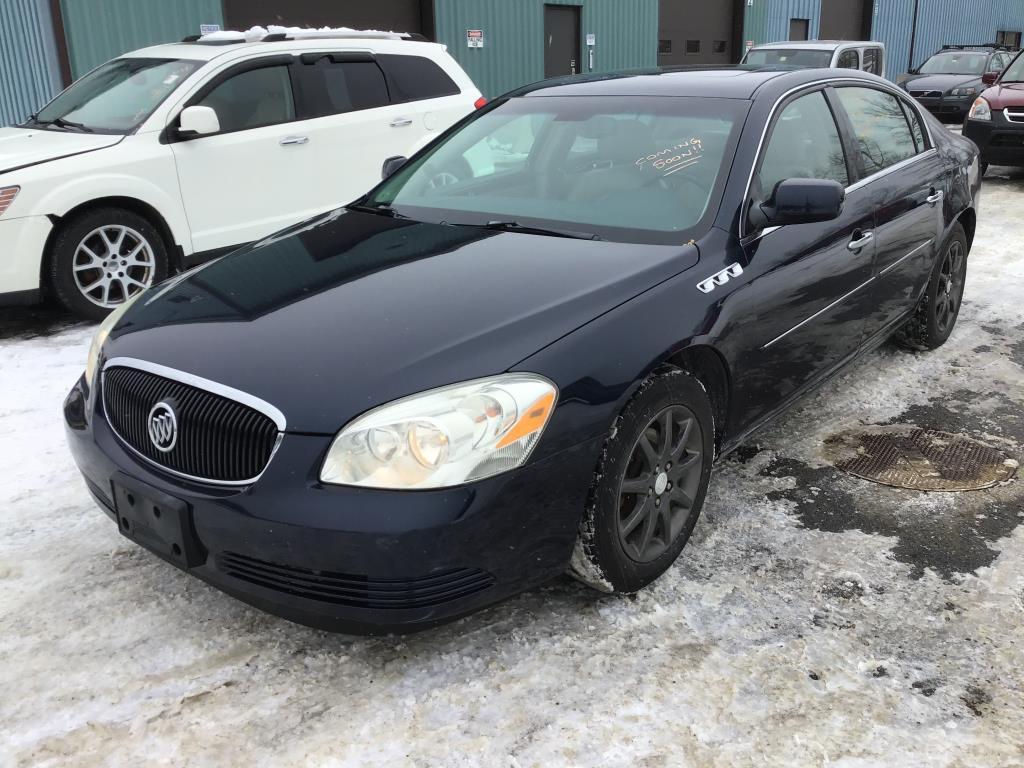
[955,63]
[627,168]
[1015,72]
[116,97]
[788,57]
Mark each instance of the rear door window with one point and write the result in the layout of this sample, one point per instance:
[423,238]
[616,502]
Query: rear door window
[414,78]
[251,99]
[849,59]
[333,87]
[880,127]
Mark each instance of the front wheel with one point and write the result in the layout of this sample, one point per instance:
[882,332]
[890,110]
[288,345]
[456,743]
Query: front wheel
[650,486]
[104,257]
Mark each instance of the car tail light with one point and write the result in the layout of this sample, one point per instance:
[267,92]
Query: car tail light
[479,102]
[7,195]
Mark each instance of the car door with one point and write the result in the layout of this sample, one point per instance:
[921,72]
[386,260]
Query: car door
[250,178]
[904,178]
[802,312]
[426,91]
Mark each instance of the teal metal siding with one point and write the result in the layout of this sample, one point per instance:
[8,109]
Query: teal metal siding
[29,71]
[99,30]
[767,21]
[513,54]
[939,22]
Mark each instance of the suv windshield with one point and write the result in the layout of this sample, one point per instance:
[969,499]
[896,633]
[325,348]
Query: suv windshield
[625,168]
[788,57]
[1015,72]
[116,97]
[955,63]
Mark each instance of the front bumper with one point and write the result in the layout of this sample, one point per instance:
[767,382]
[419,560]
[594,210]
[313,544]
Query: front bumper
[947,108]
[357,560]
[1001,141]
[22,243]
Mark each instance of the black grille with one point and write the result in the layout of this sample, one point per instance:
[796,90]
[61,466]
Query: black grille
[219,439]
[357,591]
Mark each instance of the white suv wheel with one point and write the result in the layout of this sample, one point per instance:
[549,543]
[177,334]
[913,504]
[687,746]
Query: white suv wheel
[112,264]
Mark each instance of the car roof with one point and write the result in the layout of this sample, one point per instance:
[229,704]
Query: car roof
[723,82]
[816,45]
[205,51]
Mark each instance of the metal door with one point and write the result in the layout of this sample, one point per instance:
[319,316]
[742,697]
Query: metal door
[561,40]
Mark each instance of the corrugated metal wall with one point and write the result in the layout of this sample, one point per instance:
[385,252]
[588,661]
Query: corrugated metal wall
[939,22]
[767,21]
[29,72]
[513,53]
[98,30]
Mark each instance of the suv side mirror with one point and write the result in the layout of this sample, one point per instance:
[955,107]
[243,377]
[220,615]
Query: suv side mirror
[800,201]
[989,78]
[197,121]
[391,165]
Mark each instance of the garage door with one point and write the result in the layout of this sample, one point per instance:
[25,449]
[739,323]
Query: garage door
[698,32]
[388,15]
[844,20]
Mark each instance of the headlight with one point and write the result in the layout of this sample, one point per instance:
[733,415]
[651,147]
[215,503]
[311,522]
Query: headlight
[7,195]
[444,437]
[980,110]
[969,91]
[100,338]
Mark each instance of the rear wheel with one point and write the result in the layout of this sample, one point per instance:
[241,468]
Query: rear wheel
[104,257]
[650,487]
[933,320]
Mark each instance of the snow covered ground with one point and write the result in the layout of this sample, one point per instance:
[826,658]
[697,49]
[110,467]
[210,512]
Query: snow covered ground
[814,619]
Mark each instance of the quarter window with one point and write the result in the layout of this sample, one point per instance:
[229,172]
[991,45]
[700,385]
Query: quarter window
[848,60]
[880,127]
[915,127]
[805,144]
[412,78]
[252,99]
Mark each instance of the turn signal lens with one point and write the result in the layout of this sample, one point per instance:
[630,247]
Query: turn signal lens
[7,195]
[980,110]
[444,437]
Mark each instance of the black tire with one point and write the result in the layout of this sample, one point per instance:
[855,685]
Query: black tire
[95,233]
[935,316]
[609,554]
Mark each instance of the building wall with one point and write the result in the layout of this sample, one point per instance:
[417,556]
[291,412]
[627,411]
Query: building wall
[939,22]
[767,21]
[98,30]
[513,53]
[29,70]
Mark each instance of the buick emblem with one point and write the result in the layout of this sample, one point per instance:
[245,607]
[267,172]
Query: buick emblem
[163,426]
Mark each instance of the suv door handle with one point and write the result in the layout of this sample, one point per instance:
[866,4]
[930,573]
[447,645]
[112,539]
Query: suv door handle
[934,197]
[401,122]
[293,140]
[857,243]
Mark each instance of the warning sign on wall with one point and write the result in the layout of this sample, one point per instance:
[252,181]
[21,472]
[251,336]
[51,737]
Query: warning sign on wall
[474,38]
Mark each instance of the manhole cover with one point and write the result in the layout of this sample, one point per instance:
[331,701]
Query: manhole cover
[905,456]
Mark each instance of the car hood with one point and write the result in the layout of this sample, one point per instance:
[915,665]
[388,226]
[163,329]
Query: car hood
[22,147]
[1009,95]
[352,310]
[940,82]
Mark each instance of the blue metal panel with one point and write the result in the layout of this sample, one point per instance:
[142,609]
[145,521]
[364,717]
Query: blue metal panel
[767,21]
[29,71]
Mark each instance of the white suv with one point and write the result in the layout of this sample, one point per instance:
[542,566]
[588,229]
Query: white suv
[173,154]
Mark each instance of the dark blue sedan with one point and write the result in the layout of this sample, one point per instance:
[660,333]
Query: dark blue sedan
[521,354]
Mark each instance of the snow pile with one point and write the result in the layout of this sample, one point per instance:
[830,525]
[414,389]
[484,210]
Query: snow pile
[255,34]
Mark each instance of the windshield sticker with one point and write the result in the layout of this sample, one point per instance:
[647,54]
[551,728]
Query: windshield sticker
[675,158]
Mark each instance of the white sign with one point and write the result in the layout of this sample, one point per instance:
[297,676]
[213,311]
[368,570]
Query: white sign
[208,29]
[591,40]
[474,38]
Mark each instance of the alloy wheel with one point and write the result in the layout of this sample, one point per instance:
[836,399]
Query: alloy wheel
[660,483]
[112,264]
[951,287]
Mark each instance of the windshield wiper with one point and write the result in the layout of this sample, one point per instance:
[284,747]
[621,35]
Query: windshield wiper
[60,122]
[515,226]
[380,210]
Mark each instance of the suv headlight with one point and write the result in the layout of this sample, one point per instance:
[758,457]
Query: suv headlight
[967,91]
[7,195]
[445,436]
[100,338]
[980,110]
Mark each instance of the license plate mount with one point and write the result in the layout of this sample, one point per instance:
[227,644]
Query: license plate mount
[159,522]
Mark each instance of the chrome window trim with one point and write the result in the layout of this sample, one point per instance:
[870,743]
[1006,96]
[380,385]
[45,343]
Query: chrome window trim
[844,297]
[818,85]
[230,393]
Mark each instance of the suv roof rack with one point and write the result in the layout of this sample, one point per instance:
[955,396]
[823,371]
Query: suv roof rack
[276,34]
[994,46]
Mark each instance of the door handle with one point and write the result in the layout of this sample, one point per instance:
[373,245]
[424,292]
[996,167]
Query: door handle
[293,140]
[857,243]
[401,122]
[935,197]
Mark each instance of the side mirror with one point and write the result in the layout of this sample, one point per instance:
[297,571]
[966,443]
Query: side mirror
[800,201]
[989,78]
[197,121]
[391,165]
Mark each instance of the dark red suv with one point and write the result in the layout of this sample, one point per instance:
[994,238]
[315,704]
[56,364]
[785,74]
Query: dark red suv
[996,119]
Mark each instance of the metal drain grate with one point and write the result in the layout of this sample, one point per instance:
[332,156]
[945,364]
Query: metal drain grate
[919,459]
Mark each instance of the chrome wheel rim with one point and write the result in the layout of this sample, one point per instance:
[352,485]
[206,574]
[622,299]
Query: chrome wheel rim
[951,287]
[112,264]
[659,485]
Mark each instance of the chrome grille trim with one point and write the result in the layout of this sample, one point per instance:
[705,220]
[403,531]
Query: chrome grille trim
[1013,117]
